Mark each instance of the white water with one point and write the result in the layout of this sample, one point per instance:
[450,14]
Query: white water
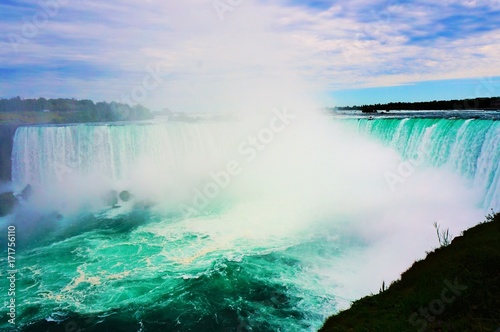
[468,147]
[315,185]
[310,176]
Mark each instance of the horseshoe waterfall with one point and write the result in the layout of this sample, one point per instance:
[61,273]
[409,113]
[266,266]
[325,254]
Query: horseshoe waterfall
[220,226]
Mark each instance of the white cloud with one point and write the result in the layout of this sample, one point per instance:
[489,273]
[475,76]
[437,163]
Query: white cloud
[255,53]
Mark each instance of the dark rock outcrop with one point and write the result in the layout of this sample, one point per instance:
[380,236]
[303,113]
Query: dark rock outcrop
[143,205]
[110,198]
[6,142]
[26,193]
[7,203]
[125,195]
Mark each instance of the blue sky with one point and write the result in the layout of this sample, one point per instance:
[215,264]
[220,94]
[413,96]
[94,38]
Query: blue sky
[210,54]
[421,91]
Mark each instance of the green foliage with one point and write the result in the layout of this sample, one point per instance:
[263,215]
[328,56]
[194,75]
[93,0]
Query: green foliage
[492,216]
[63,110]
[382,289]
[444,235]
[465,104]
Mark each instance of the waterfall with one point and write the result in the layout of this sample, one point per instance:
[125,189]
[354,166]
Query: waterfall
[45,155]
[470,147]
[304,226]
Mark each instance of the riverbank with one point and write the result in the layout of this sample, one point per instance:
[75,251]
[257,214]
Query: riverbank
[455,288]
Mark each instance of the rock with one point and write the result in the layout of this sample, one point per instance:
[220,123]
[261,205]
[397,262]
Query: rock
[143,205]
[26,193]
[7,203]
[110,198]
[7,132]
[56,215]
[125,195]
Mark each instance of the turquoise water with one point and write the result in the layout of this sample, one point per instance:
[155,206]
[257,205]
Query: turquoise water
[243,262]
[469,147]
[139,271]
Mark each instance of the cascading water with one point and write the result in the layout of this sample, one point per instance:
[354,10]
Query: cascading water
[305,227]
[68,161]
[470,147]
[43,155]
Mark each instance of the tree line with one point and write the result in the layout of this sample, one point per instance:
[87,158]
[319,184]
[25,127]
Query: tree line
[492,103]
[72,110]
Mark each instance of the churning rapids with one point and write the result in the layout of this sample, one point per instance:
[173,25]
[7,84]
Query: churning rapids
[220,226]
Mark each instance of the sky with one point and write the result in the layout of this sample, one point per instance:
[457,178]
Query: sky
[200,55]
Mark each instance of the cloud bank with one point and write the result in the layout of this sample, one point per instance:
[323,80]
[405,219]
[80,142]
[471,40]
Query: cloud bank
[231,53]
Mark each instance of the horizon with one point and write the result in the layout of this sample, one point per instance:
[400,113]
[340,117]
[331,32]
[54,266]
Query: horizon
[158,110]
[216,55]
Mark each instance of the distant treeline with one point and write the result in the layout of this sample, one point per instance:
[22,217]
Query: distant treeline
[464,104]
[72,110]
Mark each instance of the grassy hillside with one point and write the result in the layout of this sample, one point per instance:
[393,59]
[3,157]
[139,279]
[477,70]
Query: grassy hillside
[456,288]
[18,111]
[27,118]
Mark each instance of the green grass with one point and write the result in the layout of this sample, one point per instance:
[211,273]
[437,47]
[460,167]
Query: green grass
[416,302]
[31,117]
